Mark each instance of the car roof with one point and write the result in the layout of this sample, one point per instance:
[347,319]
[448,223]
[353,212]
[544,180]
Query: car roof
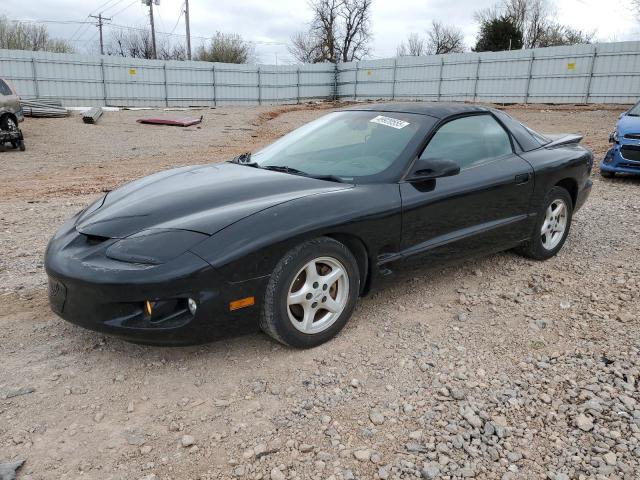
[437,110]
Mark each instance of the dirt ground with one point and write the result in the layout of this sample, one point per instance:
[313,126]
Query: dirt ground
[500,368]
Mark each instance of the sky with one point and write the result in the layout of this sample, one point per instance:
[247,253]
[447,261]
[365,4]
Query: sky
[271,23]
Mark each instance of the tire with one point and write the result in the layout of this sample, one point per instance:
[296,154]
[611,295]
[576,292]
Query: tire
[541,245]
[607,174]
[298,319]
[8,123]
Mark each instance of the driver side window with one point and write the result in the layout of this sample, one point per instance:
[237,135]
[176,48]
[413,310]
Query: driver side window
[469,141]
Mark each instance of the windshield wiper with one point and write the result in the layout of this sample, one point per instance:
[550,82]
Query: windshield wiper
[295,171]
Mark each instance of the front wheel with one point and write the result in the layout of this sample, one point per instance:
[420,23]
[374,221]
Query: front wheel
[552,226]
[311,293]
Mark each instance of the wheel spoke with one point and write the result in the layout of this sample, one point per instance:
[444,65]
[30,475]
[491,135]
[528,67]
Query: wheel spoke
[297,298]
[311,273]
[307,318]
[332,277]
[331,305]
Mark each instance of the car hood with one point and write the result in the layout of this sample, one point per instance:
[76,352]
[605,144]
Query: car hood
[203,199]
[628,124]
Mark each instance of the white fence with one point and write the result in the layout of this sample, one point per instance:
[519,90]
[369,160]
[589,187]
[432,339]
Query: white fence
[601,73]
[105,80]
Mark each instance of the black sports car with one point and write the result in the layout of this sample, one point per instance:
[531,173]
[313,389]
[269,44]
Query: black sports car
[289,237]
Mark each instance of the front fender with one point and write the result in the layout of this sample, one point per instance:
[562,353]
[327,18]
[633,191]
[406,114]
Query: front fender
[251,248]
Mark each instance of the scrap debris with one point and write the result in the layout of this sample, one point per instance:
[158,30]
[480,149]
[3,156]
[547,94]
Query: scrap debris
[176,122]
[8,470]
[43,108]
[92,115]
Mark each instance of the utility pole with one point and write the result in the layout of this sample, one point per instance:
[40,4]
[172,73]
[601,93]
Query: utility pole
[186,21]
[149,3]
[100,23]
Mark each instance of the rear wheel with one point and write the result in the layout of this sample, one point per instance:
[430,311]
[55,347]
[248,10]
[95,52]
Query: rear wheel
[311,293]
[552,226]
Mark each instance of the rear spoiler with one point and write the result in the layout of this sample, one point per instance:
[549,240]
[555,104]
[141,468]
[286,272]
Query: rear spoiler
[562,140]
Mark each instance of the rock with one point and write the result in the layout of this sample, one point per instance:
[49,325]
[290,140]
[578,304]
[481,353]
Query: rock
[610,458]
[305,448]
[584,423]
[430,471]
[383,474]
[362,455]
[376,417]
[187,440]
[17,392]
[276,474]
[98,417]
[470,416]
[462,317]
[146,449]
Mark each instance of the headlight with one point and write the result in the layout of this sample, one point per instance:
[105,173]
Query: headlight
[154,246]
[613,137]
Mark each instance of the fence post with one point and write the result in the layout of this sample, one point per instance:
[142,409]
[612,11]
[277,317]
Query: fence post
[526,92]
[35,77]
[298,84]
[440,77]
[336,72]
[393,86]
[259,87]
[591,68]
[104,82]
[475,85]
[213,74]
[166,89]
[355,87]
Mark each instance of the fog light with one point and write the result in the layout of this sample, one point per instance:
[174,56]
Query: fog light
[193,306]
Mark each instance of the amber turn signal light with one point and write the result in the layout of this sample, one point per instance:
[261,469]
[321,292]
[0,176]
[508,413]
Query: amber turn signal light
[148,308]
[242,303]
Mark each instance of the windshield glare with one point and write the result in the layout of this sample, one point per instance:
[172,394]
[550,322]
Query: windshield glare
[635,110]
[345,144]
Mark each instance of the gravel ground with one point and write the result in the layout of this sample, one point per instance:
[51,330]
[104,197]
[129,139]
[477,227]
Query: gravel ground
[500,368]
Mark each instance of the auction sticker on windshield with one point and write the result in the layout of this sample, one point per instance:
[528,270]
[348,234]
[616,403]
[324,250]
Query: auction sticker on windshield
[389,122]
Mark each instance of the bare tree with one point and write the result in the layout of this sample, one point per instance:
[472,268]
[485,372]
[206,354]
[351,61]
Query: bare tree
[137,43]
[355,30]
[535,19]
[340,31]
[413,47]
[305,49]
[27,36]
[226,48]
[444,39]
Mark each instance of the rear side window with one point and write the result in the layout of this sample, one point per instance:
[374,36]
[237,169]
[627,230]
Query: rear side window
[526,138]
[4,88]
[469,141]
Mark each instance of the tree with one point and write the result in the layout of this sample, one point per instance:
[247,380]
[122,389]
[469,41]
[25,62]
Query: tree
[498,34]
[339,32]
[226,48]
[535,19]
[27,36]
[414,46]
[444,39]
[137,43]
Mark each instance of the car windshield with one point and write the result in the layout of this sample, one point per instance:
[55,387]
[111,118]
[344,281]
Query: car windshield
[345,144]
[635,110]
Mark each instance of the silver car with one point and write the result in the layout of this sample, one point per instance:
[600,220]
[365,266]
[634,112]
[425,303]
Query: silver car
[10,115]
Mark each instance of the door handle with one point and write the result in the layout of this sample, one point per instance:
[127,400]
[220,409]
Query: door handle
[522,178]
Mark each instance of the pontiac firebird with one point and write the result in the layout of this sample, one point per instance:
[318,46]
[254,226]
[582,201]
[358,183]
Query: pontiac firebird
[287,238]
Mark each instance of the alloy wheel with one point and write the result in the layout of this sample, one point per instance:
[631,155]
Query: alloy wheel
[554,225]
[317,295]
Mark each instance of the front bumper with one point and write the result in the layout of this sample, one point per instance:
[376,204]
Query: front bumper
[615,162]
[90,290]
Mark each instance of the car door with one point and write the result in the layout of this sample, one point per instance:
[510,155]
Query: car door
[484,208]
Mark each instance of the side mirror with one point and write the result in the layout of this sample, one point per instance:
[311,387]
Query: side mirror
[429,168]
